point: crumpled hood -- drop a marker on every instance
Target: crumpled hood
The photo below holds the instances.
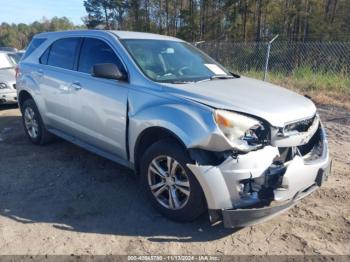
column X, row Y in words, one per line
column 8, row 76
column 275, row 104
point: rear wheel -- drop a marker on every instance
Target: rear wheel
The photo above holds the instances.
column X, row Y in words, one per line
column 33, row 124
column 170, row 185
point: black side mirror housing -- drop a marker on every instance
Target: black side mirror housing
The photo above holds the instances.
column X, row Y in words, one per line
column 109, row 71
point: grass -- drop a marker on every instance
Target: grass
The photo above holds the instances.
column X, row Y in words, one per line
column 323, row 87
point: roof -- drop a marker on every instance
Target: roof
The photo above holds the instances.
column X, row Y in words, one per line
column 142, row 35
column 119, row 34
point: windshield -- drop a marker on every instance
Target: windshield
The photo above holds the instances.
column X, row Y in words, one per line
column 6, row 61
column 173, row 62
column 16, row 57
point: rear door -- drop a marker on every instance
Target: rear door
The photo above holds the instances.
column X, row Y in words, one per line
column 56, row 79
column 99, row 105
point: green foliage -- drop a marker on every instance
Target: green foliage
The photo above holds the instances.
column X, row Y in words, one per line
column 208, row 20
column 305, row 79
column 330, row 81
column 108, row 13
column 233, row 20
column 19, row 35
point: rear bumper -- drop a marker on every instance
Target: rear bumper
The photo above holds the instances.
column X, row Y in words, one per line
column 224, row 185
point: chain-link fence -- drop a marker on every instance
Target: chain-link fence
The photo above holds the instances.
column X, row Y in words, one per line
column 286, row 58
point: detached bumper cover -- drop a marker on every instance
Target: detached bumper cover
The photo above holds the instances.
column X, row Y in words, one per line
column 245, row 217
column 222, row 185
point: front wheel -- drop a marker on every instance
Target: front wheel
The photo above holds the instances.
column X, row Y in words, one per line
column 170, row 185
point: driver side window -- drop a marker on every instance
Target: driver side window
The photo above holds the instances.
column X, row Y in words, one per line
column 95, row 51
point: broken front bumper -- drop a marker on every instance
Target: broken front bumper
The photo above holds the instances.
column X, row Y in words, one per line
column 225, row 185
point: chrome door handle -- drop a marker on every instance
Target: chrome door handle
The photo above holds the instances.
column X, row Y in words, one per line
column 77, row 86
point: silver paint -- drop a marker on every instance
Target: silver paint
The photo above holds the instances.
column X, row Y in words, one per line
column 95, row 116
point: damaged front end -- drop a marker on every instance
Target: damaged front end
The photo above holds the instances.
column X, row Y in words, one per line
column 244, row 188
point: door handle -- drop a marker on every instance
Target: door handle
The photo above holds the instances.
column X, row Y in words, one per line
column 77, row 86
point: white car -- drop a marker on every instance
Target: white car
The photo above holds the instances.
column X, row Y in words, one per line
column 8, row 94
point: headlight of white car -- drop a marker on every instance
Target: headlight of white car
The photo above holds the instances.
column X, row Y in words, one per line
column 244, row 133
column 3, row 86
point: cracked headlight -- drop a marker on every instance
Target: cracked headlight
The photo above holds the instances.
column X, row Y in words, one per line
column 3, row 86
column 244, row 133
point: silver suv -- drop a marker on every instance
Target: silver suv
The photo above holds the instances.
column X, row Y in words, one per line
column 201, row 138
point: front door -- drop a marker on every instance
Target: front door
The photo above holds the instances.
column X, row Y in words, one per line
column 99, row 106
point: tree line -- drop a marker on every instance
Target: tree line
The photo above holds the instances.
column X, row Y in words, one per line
column 204, row 20
column 232, row 20
column 19, row 35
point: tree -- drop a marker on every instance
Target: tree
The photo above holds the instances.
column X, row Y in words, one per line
column 98, row 13
column 20, row 35
column 197, row 20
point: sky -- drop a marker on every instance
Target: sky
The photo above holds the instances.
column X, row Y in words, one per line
column 27, row 11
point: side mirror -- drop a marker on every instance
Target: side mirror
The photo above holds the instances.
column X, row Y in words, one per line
column 109, row 71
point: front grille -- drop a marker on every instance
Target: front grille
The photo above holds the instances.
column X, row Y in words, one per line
column 300, row 126
column 314, row 148
column 310, row 151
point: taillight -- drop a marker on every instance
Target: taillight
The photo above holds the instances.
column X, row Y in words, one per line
column 17, row 71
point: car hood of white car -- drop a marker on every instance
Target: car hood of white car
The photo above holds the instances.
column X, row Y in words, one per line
column 272, row 103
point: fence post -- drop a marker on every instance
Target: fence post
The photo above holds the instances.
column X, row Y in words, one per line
column 268, row 56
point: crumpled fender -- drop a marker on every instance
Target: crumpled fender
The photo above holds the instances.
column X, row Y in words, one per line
column 195, row 127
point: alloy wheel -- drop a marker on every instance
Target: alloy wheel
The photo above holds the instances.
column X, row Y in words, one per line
column 31, row 122
column 168, row 182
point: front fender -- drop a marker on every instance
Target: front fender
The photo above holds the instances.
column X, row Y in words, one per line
column 193, row 124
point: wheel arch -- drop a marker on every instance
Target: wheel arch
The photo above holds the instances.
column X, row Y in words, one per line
column 23, row 96
column 148, row 137
column 191, row 125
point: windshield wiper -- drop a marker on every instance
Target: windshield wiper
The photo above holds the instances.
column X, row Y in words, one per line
column 181, row 82
column 215, row 77
column 221, row 77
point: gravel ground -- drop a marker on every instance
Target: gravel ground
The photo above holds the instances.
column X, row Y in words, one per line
column 60, row 199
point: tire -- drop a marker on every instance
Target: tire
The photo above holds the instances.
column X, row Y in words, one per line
column 187, row 207
column 41, row 136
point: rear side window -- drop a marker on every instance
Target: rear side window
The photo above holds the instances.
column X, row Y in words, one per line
column 45, row 56
column 63, row 52
column 95, row 51
column 34, row 44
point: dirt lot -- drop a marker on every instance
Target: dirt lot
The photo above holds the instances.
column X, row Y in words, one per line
column 60, row 199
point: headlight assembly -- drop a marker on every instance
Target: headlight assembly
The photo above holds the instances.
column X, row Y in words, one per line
column 244, row 133
column 3, row 86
